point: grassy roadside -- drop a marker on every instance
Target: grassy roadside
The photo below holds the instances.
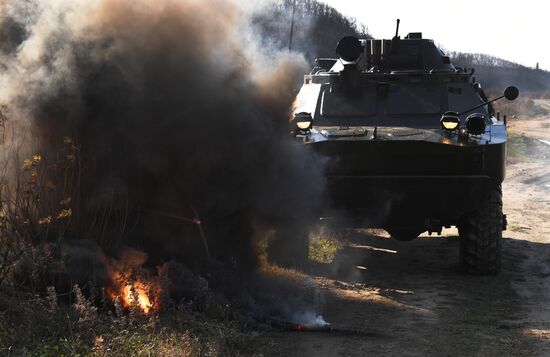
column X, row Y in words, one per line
column 33, row 326
column 523, row 148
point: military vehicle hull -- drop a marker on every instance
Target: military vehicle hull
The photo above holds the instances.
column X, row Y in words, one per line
column 410, row 144
column 408, row 183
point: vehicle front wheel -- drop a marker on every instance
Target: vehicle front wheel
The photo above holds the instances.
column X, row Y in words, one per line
column 481, row 234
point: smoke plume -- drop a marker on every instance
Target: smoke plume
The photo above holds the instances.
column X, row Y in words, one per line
column 173, row 108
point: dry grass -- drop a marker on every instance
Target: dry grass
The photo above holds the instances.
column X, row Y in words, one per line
column 41, row 200
column 324, row 246
column 525, row 106
column 522, row 148
column 35, row 326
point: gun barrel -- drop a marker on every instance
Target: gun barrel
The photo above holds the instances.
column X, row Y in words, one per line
column 397, row 30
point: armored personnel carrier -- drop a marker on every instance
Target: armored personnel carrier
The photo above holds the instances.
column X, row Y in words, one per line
column 413, row 143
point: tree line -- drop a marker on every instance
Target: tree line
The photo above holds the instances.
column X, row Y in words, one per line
column 496, row 73
column 318, row 27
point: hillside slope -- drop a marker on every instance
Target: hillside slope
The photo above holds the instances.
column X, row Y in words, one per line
column 496, row 73
column 317, row 27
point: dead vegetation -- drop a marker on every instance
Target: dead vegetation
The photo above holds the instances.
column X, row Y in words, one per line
column 49, row 326
column 46, row 311
column 522, row 148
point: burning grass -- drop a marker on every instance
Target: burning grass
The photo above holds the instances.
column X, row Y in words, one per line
column 112, row 117
column 139, row 317
column 35, row 326
column 125, row 307
column 130, row 285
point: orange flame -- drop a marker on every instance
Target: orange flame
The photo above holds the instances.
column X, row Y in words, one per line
column 130, row 284
column 134, row 292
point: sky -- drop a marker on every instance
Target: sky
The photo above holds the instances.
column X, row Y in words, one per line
column 517, row 31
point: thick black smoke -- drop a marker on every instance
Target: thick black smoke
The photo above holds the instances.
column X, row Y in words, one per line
column 174, row 109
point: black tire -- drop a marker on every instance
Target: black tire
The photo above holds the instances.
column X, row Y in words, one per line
column 481, row 236
column 289, row 247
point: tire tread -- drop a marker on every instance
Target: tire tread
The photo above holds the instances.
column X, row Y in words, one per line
column 481, row 236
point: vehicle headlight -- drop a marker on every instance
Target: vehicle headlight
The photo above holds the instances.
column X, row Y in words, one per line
column 475, row 123
column 303, row 121
column 304, row 125
column 450, row 121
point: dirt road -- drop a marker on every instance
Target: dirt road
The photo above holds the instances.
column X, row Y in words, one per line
column 413, row 299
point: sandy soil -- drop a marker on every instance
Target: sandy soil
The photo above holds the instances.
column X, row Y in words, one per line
column 537, row 128
column 409, row 299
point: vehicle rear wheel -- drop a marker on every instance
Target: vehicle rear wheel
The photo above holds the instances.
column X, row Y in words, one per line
column 480, row 236
column 289, row 247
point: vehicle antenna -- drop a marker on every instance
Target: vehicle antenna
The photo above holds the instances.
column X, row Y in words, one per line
column 292, row 26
